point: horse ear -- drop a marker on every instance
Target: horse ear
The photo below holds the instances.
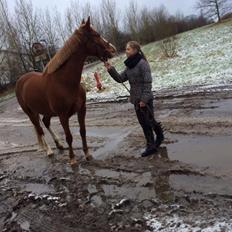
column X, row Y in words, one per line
column 87, row 24
column 82, row 22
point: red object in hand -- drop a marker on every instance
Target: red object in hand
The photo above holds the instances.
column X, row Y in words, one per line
column 98, row 82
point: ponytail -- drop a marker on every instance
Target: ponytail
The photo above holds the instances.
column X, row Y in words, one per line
column 143, row 55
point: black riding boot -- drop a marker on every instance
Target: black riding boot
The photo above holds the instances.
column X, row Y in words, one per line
column 157, row 126
column 145, row 119
column 151, row 146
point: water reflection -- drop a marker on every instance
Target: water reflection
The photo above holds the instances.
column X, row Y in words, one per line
column 152, row 184
column 161, row 180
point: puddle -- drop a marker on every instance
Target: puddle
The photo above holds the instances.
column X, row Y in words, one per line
column 202, row 150
column 134, row 193
column 114, row 135
column 105, row 131
column 215, row 108
column 140, row 186
column 114, row 174
column 203, row 184
column 163, row 187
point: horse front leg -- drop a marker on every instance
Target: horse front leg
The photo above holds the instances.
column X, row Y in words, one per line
column 47, row 122
column 81, row 119
column 64, row 120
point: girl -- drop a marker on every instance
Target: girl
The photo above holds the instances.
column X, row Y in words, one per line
column 138, row 73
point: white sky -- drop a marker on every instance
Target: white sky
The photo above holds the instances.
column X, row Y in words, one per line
column 185, row 6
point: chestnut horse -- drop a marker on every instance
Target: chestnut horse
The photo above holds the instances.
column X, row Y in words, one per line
column 57, row 91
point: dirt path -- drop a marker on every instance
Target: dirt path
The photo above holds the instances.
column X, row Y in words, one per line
column 187, row 186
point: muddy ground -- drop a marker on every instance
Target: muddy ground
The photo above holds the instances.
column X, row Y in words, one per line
column 186, row 186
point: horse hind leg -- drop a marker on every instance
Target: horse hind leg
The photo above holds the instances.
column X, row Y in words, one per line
column 40, row 133
column 64, row 120
column 47, row 122
column 81, row 119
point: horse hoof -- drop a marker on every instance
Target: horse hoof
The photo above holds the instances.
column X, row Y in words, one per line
column 60, row 147
column 73, row 162
column 89, row 157
column 50, row 153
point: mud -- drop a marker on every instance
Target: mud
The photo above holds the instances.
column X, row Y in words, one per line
column 186, row 186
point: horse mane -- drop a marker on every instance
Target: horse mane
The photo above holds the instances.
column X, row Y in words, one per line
column 62, row 55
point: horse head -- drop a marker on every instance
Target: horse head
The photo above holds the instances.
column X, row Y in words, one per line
column 95, row 44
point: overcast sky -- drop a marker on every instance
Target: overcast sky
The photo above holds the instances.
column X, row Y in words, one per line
column 185, row 6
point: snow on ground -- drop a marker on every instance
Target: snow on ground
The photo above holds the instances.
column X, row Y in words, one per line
column 176, row 224
column 204, row 58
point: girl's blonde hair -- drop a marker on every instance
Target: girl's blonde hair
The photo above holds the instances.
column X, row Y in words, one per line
column 135, row 45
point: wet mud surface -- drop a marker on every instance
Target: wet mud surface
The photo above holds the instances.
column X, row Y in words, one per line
column 186, row 186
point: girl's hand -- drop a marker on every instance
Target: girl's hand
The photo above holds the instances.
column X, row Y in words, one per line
column 108, row 65
column 142, row 104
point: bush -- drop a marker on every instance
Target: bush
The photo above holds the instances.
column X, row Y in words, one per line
column 169, row 47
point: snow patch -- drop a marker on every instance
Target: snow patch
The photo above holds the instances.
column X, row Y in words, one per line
column 176, row 224
column 204, row 58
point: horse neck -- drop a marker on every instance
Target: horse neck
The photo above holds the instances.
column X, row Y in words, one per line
column 71, row 72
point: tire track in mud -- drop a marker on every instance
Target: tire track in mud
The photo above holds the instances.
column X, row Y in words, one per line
column 31, row 220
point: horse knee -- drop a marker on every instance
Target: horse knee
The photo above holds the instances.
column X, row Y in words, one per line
column 46, row 121
column 83, row 132
column 39, row 129
column 69, row 139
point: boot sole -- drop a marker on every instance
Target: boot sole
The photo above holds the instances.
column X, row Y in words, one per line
column 150, row 153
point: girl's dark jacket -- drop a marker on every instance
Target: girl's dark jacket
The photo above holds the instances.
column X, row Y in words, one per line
column 140, row 80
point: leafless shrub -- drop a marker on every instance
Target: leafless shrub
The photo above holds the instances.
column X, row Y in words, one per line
column 169, row 47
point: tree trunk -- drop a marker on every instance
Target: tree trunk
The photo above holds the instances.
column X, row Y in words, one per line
column 218, row 11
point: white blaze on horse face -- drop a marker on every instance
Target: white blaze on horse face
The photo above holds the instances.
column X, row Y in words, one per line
column 104, row 39
column 113, row 46
column 108, row 43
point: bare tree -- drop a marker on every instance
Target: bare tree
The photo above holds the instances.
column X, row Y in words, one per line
column 59, row 26
column 27, row 23
column 50, row 34
column 132, row 19
column 2, row 39
column 94, row 13
column 161, row 23
column 214, row 8
column 145, row 26
column 2, row 55
column 69, row 21
column 109, row 14
column 21, row 28
column 74, row 14
column 14, row 60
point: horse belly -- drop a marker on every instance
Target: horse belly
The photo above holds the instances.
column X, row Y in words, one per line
column 38, row 104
